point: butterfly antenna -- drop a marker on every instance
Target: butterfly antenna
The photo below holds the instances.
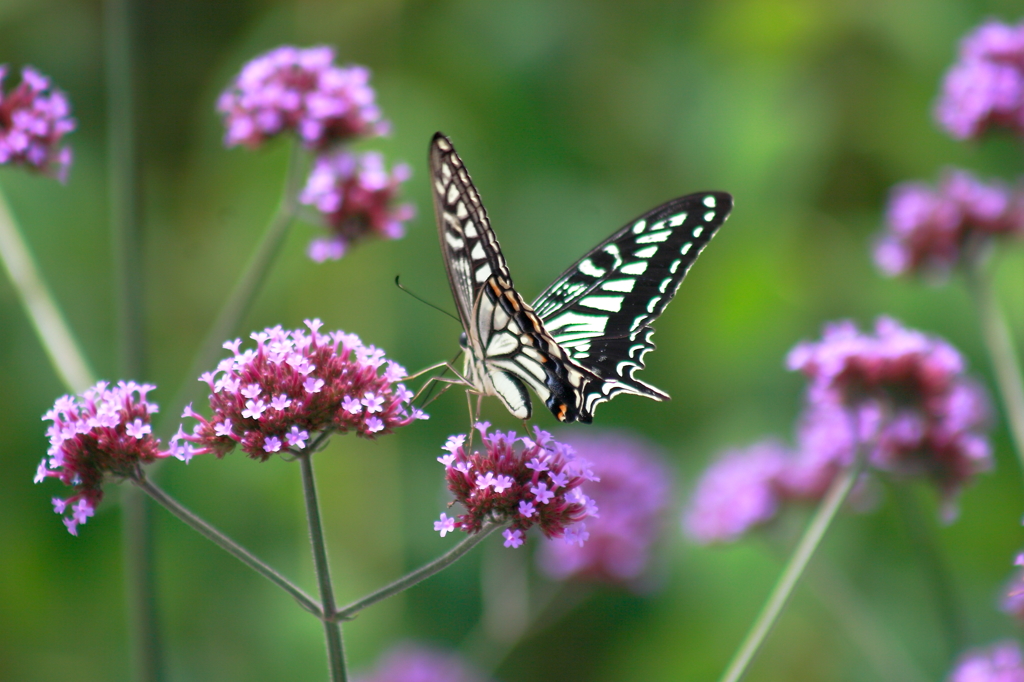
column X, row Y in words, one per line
column 424, row 301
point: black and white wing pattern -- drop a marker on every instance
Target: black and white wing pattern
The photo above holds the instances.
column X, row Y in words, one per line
column 600, row 310
column 507, row 348
column 585, row 336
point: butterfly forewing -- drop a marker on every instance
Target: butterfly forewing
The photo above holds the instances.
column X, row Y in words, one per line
column 600, row 309
column 507, row 347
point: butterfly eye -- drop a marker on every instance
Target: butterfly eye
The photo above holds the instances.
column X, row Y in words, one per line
column 463, row 341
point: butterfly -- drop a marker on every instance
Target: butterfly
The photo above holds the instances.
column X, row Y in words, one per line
column 585, row 336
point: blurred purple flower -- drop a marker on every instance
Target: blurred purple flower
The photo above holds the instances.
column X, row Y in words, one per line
column 356, row 195
column 907, row 399
column 103, row 432
column 986, row 87
column 299, row 90
column 739, row 491
column 33, row 119
column 1001, row 662
column 1013, row 597
column 411, row 662
column 293, row 384
column 538, row 483
column 928, row 228
column 633, row 494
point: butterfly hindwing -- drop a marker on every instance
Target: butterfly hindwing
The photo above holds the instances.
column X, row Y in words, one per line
column 601, row 308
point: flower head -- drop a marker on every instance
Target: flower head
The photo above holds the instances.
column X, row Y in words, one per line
column 299, row 90
column 928, row 228
column 105, row 431
column 356, row 196
column 905, row 400
column 493, row 484
column 418, row 663
column 293, row 384
column 633, row 494
column 33, row 119
column 1001, row 662
column 986, row 87
column 736, row 493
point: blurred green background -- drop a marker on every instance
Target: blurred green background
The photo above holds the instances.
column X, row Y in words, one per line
column 573, row 117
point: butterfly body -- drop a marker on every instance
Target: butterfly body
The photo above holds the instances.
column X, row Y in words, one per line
column 583, row 338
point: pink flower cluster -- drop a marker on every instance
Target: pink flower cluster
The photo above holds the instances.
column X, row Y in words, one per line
column 1001, row 662
column 536, row 484
column 418, row 663
column 898, row 396
column 33, row 119
column 356, row 195
column 634, row 494
column 105, row 431
column 986, row 87
column 292, row 386
column 291, row 89
column 929, row 228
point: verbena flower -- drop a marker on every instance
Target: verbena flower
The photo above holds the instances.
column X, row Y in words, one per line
column 356, row 196
column 299, row 90
column 1001, row 662
column 536, row 483
column 418, row 663
column 293, row 385
column 929, row 228
column 634, row 493
column 736, row 493
column 986, row 87
column 33, row 119
column 910, row 405
column 103, row 432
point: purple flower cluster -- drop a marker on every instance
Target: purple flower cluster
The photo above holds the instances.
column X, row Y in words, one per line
column 901, row 395
column 898, row 396
column 634, row 493
column 1001, row 662
column 33, row 119
column 105, row 431
column 417, row 663
column 928, row 228
column 293, row 385
column 986, row 87
column 302, row 91
column 356, row 195
column 538, row 483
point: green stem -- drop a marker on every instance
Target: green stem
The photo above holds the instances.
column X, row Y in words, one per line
column 332, row 628
column 420, row 574
column 246, row 288
column 826, row 511
column 65, row 355
column 122, row 162
column 227, row 544
column 1002, row 353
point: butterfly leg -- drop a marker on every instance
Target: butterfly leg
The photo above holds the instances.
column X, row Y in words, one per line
column 474, row 416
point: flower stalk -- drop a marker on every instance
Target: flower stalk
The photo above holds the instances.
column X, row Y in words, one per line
column 1001, row 350
column 332, row 628
column 826, row 512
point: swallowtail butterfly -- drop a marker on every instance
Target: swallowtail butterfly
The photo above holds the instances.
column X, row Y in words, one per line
column 580, row 342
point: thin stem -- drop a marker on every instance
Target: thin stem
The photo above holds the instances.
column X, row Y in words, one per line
column 420, row 574
column 1001, row 350
column 227, row 544
column 122, row 164
column 247, row 286
column 332, row 628
column 65, row 355
column 826, row 511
